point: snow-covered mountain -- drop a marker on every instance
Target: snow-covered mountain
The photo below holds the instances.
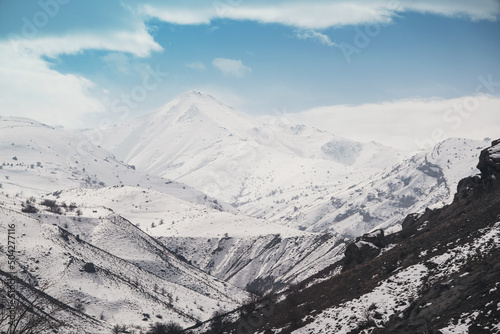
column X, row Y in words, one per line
column 134, row 273
column 439, row 274
column 154, row 236
column 109, row 214
column 36, row 159
column 239, row 249
column 292, row 175
column 197, row 140
column 426, row 179
column 261, row 264
column 110, row 270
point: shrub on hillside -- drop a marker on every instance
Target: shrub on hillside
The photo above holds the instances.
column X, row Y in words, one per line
column 168, row 328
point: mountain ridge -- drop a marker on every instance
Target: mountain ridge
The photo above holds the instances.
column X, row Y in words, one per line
column 438, row 275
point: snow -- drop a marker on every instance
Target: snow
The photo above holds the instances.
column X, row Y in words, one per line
column 130, row 264
column 390, row 297
column 172, row 216
column 463, row 326
column 289, row 174
column 374, row 234
column 263, row 169
column 360, row 244
column 242, row 260
column 287, row 185
column 455, row 258
column 383, row 200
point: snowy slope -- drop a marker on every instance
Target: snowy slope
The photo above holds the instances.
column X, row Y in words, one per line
column 160, row 208
column 135, row 274
column 231, row 246
column 292, row 175
column 197, row 140
column 161, row 214
column 439, row 274
column 426, row 179
column 36, row 159
column 261, row 264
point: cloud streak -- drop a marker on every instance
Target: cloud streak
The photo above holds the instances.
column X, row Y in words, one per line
column 316, row 36
column 196, row 65
column 30, row 88
column 231, row 67
column 319, row 14
column 409, row 123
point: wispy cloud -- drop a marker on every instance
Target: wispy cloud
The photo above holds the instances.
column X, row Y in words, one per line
column 31, row 88
column 196, row 65
column 409, row 123
column 137, row 42
column 317, row 14
column 118, row 61
column 316, row 36
column 231, row 67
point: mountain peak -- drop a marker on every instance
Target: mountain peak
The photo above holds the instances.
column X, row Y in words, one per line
column 195, row 97
column 196, row 94
column 195, row 108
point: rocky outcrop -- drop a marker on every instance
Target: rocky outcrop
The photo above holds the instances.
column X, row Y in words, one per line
column 489, row 165
column 489, row 161
column 364, row 248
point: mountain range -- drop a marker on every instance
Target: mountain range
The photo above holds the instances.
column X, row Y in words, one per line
column 198, row 208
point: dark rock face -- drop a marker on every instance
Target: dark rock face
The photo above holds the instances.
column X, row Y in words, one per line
column 89, row 267
column 457, row 232
column 410, row 221
column 489, row 165
column 489, row 161
column 364, row 248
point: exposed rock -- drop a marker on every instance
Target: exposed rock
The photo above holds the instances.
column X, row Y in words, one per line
column 489, row 161
column 440, row 273
column 89, row 267
column 365, row 247
column 489, row 165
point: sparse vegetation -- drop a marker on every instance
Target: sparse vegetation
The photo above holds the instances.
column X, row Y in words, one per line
column 31, row 313
column 29, row 206
column 52, row 206
column 79, row 306
column 168, row 328
column 117, row 329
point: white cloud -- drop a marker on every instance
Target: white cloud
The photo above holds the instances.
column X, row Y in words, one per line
column 30, row 88
column 410, row 123
column 231, row 67
column 196, row 65
column 314, row 35
column 319, row 14
column 179, row 15
column 118, row 61
column 137, row 42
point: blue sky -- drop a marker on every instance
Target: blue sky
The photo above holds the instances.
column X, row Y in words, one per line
column 76, row 62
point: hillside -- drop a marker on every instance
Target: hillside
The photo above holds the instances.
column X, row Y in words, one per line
column 291, row 175
column 111, row 271
column 439, row 274
column 426, row 179
column 231, row 246
column 36, row 159
column 105, row 242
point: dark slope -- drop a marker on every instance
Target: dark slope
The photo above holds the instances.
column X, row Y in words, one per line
column 458, row 245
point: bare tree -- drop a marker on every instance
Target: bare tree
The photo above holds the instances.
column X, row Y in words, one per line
column 26, row 312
